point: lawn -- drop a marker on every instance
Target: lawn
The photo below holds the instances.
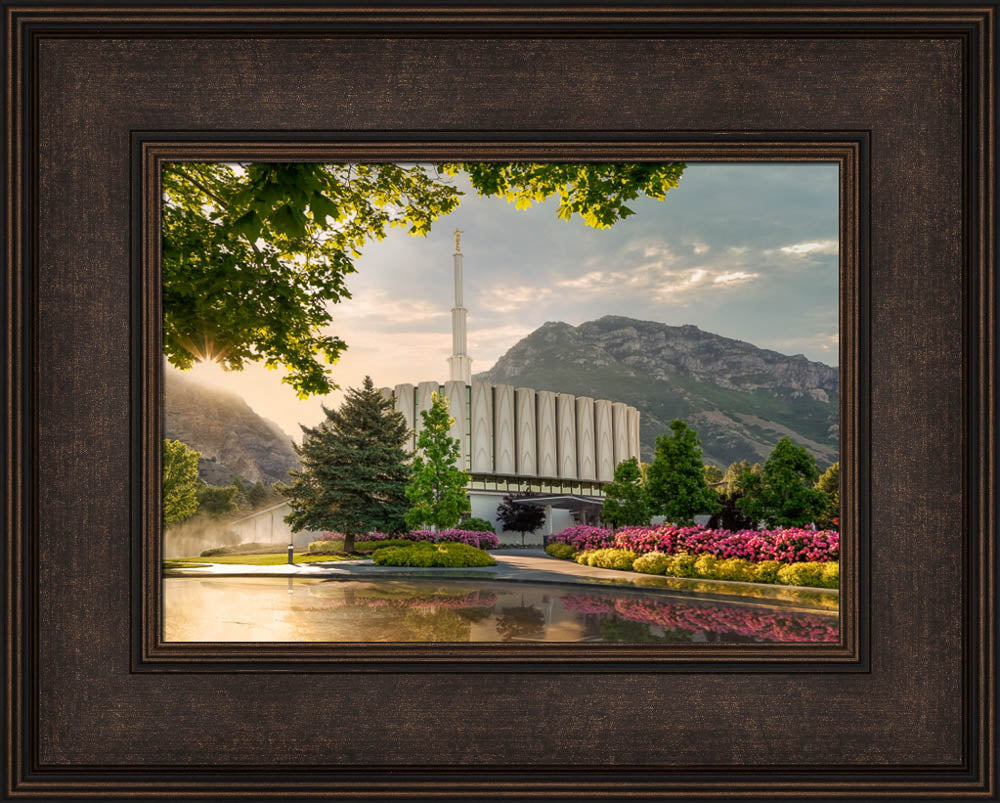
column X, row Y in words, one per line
column 273, row 559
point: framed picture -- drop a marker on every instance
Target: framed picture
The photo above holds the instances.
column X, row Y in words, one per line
column 633, row 427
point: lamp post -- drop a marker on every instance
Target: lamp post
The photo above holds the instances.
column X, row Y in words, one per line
column 291, row 548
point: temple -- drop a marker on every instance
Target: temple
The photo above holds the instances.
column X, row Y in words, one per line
column 560, row 447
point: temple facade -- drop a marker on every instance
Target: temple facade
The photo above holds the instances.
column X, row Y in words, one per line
column 561, row 447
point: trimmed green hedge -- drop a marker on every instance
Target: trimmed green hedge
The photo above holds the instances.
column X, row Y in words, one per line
column 476, row 525
column 422, row 553
column 334, row 547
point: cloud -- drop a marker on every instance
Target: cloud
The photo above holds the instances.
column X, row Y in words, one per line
column 735, row 277
column 508, row 298
column 812, row 247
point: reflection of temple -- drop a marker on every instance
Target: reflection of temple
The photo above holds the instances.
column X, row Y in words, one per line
column 561, row 447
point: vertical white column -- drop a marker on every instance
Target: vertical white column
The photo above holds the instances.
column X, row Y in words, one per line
column 604, row 448
column 503, row 429
column 527, row 465
column 548, row 457
column 460, row 366
column 566, row 426
column 633, row 434
column 482, row 428
column 455, row 391
column 585, row 460
column 619, row 424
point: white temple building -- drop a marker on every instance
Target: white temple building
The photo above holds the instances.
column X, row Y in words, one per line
column 563, row 448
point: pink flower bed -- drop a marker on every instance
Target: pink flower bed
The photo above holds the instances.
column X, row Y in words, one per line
column 470, row 537
column 785, row 546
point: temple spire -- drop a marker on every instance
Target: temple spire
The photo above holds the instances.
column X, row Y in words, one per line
column 460, row 364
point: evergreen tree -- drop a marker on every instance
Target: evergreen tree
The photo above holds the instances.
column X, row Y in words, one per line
column 437, row 486
column 520, row 518
column 180, row 482
column 829, row 483
column 625, row 503
column 675, row 480
column 218, row 500
column 257, row 494
column 783, row 494
column 354, row 473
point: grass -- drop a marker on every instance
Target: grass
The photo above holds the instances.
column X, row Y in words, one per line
column 273, row 559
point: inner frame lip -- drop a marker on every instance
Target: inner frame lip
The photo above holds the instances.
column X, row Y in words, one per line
column 149, row 150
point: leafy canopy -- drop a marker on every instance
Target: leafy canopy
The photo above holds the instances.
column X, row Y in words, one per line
column 625, row 503
column 255, row 255
column 180, row 482
column 354, row 473
column 783, row 494
column 437, row 488
column 675, row 480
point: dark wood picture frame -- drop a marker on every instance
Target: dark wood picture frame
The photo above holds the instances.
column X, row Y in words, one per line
column 902, row 96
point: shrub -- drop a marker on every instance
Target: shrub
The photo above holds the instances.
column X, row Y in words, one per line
column 809, row 573
column 621, row 559
column 583, row 558
column 450, row 555
column 561, row 551
column 704, row 566
column 475, row 525
column 681, row 565
column 830, row 575
column 585, row 537
column 652, row 563
column 473, row 538
column 787, row 546
column 766, row 571
column 734, row 569
column 219, row 550
column 326, row 546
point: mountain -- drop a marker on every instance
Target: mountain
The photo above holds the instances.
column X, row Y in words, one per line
column 741, row 399
column 232, row 438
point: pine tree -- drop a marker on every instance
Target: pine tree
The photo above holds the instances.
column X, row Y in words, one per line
column 354, row 472
column 782, row 495
column 675, row 480
column 437, row 487
column 180, row 482
column 625, row 503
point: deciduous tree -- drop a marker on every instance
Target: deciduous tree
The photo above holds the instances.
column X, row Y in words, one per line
column 625, row 502
column 675, row 480
column 180, row 482
column 520, row 518
column 256, row 254
column 783, row 494
column 437, row 488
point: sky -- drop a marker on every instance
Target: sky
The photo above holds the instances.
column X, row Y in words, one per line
column 748, row 251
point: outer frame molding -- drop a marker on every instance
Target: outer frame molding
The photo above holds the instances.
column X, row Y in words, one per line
column 27, row 776
column 848, row 150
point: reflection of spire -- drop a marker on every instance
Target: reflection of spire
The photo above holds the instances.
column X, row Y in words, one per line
column 459, row 361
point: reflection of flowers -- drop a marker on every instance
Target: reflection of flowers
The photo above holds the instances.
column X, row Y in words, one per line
column 762, row 625
column 786, row 546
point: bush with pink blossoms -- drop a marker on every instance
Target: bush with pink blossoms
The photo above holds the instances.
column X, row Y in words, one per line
column 584, row 537
column 785, row 546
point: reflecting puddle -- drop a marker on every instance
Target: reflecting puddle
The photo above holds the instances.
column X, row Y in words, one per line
column 316, row 610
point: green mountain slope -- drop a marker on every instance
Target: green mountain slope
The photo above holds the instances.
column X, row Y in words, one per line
column 740, row 398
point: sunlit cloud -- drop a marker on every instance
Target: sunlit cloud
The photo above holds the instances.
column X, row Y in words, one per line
column 812, row 247
column 734, row 277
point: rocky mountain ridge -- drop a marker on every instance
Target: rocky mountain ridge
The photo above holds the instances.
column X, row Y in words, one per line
column 233, row 440
column 742, row 399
